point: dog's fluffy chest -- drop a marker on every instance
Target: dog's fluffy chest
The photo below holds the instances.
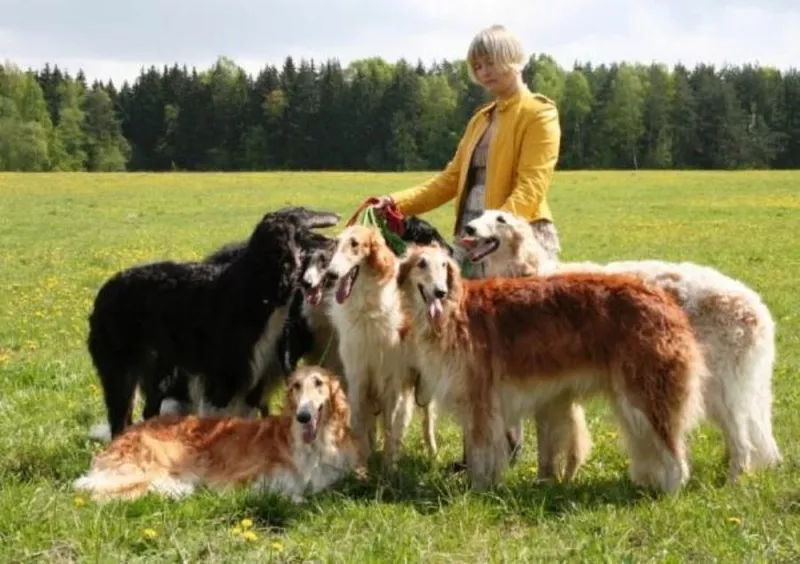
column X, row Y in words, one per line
column 374, row 317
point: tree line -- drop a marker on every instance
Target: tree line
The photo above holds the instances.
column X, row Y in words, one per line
column 376, row 115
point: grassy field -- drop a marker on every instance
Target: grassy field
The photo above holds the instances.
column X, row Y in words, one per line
column 62, row 235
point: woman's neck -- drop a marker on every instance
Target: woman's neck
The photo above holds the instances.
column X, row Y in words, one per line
column 512, row 89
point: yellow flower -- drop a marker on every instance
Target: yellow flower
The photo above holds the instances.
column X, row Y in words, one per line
column 277, row 546
column 237, row 530
column 736, row 520
column 246, row 523
column 78, row 502
column 149, row 533
column 249, row 535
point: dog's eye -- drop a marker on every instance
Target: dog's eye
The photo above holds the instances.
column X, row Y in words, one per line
column 297, row 386
column 501, row 219
column 353, row 243
column 423, row 263
column 318, row 382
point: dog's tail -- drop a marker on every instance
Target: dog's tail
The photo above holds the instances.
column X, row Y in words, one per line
column 129, row 482
column 761, row 361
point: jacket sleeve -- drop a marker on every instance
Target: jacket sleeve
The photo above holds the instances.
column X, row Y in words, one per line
column 536, row 164
column 436, row 191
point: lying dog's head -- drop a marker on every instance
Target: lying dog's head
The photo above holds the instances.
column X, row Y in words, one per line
column 316, row 401
column 420, row 232
column 358, row 249
column 429, row 277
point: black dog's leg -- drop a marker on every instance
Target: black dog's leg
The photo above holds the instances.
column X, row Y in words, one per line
column 296, row 339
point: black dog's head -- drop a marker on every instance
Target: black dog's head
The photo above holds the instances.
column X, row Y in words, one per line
column 420, row 232
column 284, row 241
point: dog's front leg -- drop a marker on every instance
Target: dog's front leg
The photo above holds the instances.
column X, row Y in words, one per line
column 486, row 447
column 362, row 416
column 397, row 412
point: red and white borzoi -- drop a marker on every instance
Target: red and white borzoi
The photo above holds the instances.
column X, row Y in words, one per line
column 732, row 323
column 492, row 351
column 371, row 327
column 308, row 447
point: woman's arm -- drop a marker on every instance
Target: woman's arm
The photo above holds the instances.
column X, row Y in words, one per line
column 435, row 192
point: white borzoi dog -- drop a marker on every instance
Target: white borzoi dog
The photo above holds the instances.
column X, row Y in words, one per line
column 371, row 327
column 731, row 321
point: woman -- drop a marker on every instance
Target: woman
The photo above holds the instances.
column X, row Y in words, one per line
column 505, row 159
column 508, row 153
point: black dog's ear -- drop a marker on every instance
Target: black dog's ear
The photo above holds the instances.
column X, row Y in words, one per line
column 312, row 219
column 320, row 220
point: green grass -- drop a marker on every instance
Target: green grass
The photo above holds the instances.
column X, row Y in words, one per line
column 61, row 235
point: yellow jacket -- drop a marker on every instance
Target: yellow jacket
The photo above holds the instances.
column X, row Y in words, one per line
column 520, row 163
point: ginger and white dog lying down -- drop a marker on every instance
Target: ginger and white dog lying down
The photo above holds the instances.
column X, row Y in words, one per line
column 494, row 350
column 308, row 447
column 731, row 321
column 371, row 326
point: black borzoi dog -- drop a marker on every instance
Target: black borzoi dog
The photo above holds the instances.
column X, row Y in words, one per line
column 215, row 322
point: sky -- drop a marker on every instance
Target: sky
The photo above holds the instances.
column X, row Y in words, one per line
column 111, row 39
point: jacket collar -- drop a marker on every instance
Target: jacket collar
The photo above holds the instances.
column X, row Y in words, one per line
column 503, row 105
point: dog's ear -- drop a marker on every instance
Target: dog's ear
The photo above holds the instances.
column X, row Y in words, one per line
column 381, row 258
column 340, row 408
column 453, row 279
column 405, row 269
column 543, row 231
column 311, row 219
column 444, row 244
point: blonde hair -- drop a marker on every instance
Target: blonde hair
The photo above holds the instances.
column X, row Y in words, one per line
column 498, row 44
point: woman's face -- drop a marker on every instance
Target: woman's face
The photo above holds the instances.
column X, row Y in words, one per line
column 492, row 77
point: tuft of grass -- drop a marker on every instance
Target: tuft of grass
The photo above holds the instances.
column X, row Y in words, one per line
column 63, row 234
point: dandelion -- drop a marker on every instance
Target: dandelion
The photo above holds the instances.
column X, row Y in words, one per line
column 237, row 530
column 78, row 501
column 735, row 520
column 149, row 533
column 246, row 523
column 277, row 546
column 249, row 535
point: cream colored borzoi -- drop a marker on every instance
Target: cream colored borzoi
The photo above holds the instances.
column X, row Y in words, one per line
column 732, row 323
column 371, row 326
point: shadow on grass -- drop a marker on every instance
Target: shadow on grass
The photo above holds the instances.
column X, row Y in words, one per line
column 429, row 487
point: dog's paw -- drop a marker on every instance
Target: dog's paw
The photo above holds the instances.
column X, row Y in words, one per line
column 361, row 474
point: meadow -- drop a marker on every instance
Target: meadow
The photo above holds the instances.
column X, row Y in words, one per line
column 61, row 235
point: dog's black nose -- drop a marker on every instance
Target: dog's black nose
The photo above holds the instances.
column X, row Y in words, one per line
column 439, row 293
column 304, row 417
column 469, row 230
column 329, row 277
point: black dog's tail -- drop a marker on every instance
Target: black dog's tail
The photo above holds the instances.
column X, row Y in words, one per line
column 112, row 344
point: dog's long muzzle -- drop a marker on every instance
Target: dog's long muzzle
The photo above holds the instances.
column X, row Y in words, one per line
column 309, row 415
